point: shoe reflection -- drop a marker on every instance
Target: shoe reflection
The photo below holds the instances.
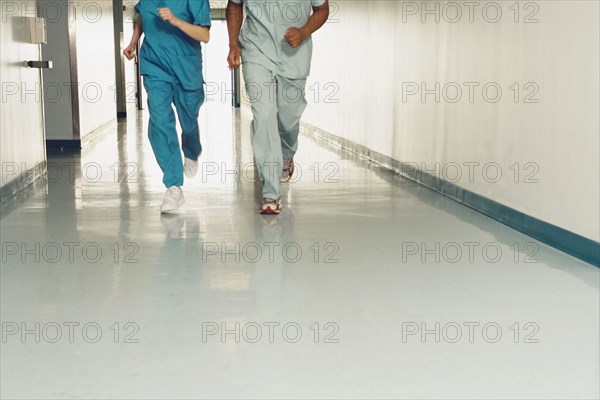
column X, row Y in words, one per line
column 174, row 225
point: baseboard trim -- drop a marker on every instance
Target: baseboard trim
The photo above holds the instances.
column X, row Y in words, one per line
column 63, row 143
column 98, row 132
column 23, row 181
column 84, row 141
column 566, row 241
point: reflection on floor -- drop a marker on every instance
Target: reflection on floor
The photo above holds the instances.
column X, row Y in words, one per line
column 366, row 286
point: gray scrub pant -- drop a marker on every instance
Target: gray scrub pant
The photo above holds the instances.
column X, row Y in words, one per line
column 277, row 106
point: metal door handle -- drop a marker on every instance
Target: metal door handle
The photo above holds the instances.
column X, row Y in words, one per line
column 39, row 64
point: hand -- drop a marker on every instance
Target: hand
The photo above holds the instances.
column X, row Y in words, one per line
column 235, row 57
column 167, row 15
column 129, row 52
column 295, row 37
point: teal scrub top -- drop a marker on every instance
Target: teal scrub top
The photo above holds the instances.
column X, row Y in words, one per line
column 167, row 52
column 262, row 38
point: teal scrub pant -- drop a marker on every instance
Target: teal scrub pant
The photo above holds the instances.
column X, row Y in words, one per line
column 277, row 106
column 162, row 131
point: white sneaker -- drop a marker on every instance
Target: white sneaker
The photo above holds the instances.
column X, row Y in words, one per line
column 190, row 168
column 173, row 199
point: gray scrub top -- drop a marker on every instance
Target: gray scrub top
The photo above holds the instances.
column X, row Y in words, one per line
column 262, row 38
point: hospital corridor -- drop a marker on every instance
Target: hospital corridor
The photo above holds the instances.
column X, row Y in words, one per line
column 438, row 237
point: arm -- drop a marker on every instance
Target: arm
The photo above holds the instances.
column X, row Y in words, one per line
column 295, row 37
column 234, row 16
column 199, row 33
column 138, row 29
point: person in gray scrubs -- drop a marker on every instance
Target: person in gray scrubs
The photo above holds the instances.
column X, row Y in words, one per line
column 275, row 47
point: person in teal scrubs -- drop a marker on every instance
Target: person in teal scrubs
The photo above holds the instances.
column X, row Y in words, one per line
column 171, row 63
column 275, row 47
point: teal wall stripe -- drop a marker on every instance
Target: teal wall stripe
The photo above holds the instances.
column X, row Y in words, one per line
column 569, row 242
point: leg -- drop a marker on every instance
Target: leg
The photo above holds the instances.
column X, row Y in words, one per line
column 291, row 103
column 266, row 143
column 188, row 103
column 162, row 132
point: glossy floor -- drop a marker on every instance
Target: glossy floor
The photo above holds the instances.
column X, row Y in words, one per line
column 367, row 286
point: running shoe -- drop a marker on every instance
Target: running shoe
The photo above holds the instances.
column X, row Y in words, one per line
column 271, row 207
column 288, row 170
column 190, row 168
column 173, row 199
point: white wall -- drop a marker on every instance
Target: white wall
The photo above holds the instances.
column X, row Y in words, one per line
column 96, row 64
column 21, row 126
column 370, row 54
